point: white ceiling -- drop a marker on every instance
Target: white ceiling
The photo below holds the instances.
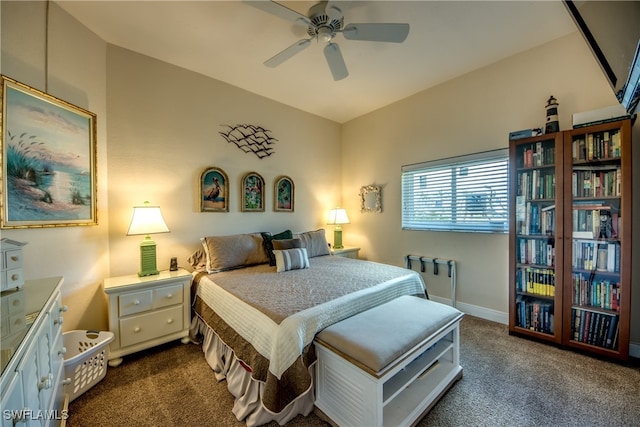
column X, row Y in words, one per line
column 230, row 40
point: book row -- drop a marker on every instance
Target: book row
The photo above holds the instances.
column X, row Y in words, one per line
column 598, row 183
column 535, row 219
column 535, row 315
column 536, row 251
column 536, row 184
column 599, row 145
column 540, row 281
column 538, row 154
column 595, row 293
column 595, row 256
column 594, row 222
column 595, row 328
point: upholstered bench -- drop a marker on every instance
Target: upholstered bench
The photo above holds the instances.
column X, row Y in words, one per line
column 388, row 365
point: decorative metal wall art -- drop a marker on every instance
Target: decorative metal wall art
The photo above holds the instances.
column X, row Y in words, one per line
column 250, row 139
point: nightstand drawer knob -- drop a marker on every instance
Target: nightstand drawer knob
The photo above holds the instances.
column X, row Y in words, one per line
column 136, row 329
column 58, row 321
column 62, row 351
column 67, row 381
column 169, row 296
column 64, row 309
column 170, row 321
column 136, row 302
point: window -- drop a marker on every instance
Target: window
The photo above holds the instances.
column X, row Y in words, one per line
column 466, row 193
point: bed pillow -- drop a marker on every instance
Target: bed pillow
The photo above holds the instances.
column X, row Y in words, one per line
column 198, row 260
column 287, row 244
column 267, row 241
column 291, row 259
column 238, row 250
column 315, row 242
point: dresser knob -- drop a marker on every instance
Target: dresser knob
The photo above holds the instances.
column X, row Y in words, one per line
column 64, row 309
column 58, row 321
column 169, row 296
column 136, row 329
column 136, row 302
column 62, row 351
column 66, row 381
column 169, row 321
column 15, row 258
column 15, row 277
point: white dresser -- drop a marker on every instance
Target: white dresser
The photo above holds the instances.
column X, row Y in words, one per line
column 147, row 311
column 10, row 264
column 32, row 355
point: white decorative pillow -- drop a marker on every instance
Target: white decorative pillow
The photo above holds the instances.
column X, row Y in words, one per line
column 291, row 259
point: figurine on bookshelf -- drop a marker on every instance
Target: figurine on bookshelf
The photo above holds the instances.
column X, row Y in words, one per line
column 606, row 226
column 552, row 124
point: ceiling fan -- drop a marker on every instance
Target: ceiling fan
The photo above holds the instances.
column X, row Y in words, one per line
column 324, row 21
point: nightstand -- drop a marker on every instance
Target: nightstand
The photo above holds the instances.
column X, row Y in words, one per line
column 346, row 252
column 147, row 311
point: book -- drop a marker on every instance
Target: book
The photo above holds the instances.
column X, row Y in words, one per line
column 525, row 133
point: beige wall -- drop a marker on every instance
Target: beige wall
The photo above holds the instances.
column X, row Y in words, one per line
column 469, row 114
column 77, row 74
column 163, row 132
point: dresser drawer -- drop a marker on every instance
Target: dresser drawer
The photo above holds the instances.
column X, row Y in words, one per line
column 144, row 327
column 167, row 295
column 13, row 259
column 135, row 302
column 12, row 278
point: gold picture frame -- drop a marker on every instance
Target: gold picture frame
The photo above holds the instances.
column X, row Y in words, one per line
column 48, row 153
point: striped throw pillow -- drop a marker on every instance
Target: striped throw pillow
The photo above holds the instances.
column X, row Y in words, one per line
column 291, row 259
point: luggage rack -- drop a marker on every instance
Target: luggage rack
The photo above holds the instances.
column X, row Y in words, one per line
column 424, row 261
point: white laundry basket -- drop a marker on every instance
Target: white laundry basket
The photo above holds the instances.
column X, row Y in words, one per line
column 85, row 362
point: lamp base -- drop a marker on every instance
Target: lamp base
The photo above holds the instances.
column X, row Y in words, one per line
column 148, row 258
column 337, row 238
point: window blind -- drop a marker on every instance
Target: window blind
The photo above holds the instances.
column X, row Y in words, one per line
column 466, row 193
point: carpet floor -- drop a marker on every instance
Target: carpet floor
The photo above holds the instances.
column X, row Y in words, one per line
column 507, row 381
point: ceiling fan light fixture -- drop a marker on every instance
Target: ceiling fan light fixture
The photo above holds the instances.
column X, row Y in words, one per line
column 325, row 34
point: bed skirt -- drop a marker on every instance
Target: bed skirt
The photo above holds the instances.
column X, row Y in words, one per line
column 246, row 390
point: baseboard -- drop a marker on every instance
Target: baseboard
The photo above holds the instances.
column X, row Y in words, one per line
column 502, row 317
column 475, row 310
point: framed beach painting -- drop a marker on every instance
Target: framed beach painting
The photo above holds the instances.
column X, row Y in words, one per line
column 214, row 191
column 48, row 160
column 252, row 193
column 283, row 194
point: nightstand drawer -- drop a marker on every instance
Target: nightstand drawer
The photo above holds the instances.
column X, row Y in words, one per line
column 168, row 295
column 137, row 329
column 135, row 302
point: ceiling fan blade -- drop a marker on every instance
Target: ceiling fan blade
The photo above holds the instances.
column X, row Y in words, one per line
column 295, row 48
column 332, row 10
column 395, row 33
column 336, row 61
column 280, row 11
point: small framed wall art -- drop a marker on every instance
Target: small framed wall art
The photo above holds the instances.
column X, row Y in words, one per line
column 214, row 190
column 48, row 152
column 283, row 194
column 252, row 193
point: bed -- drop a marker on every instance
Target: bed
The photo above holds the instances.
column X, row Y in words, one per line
column 257, row 321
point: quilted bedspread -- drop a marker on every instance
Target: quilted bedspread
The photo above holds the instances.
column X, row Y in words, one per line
column 280, row 313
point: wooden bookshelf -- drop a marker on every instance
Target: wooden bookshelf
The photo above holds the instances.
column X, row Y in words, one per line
column 535, row 242
column 570, row 238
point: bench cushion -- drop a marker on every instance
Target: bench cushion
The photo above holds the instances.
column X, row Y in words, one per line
column 380, row 335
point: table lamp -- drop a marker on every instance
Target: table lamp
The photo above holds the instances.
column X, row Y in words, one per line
column 147, row 220
column 338, row 217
